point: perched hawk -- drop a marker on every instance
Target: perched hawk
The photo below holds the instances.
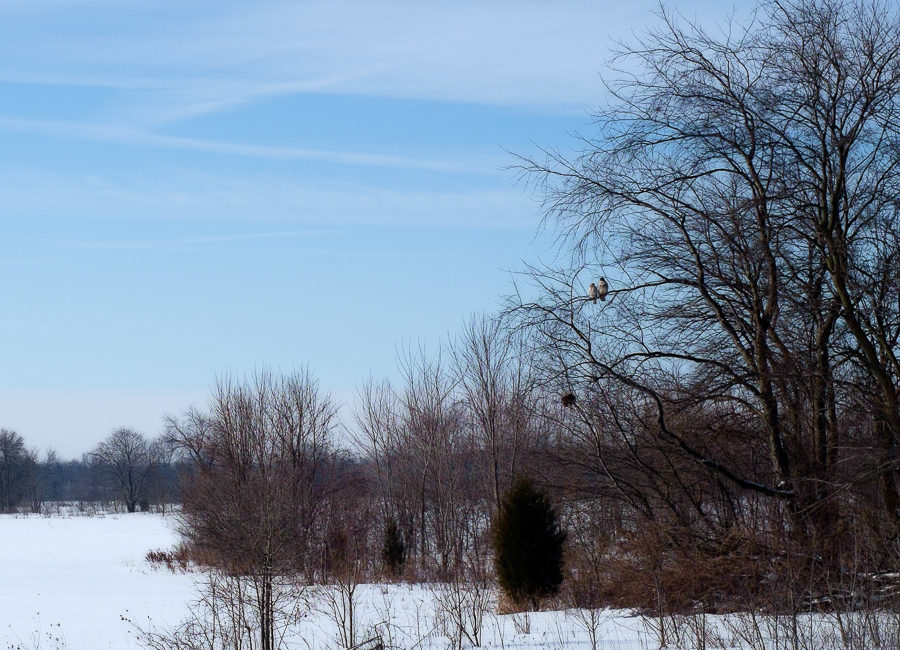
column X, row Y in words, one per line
column 600, row 290
column 593, row 294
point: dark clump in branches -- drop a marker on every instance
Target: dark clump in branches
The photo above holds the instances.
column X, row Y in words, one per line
column 528, row 545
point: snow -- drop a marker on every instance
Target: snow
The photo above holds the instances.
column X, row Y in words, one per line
column 73, row 578
column 74, row 583
column 68, row 582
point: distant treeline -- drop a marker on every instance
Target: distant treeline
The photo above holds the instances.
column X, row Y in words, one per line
column 29, row 480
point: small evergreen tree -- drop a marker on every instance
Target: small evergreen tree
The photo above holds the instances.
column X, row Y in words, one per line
column 393, row 550
column 528, row 545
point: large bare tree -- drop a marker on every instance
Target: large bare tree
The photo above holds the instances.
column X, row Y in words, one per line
column 740, row 195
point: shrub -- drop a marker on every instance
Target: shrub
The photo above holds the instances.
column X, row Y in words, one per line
column 393, row 550
column 528, row 545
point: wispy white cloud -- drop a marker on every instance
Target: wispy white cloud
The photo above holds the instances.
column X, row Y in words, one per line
column 185, row 243
column 187, row 196
column 182, row 59
column 135, row 137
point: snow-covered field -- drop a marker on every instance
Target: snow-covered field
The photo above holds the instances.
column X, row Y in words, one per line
column 68, row 582
column 73, row 578
column 75, row 582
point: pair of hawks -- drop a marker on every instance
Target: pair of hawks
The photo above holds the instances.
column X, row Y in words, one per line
column 598, row 290
column 595, row 291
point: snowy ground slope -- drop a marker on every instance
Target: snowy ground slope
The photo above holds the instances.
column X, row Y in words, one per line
column 74, row 578
column 66, row 582
column 415, row 622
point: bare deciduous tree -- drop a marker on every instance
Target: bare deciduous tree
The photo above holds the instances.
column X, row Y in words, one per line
column 741, row 197
column 17, row 466
column 127, row 460
column 497, row 391
column 258, row 484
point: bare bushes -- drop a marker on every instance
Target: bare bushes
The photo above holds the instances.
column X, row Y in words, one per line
column 857, row 630
column 176, row 560
column 257, row 486
column 463, row 602
column 759, row 593
column 347, row 565
column 227, row 616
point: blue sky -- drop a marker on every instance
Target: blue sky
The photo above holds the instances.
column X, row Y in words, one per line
column 194, row 188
